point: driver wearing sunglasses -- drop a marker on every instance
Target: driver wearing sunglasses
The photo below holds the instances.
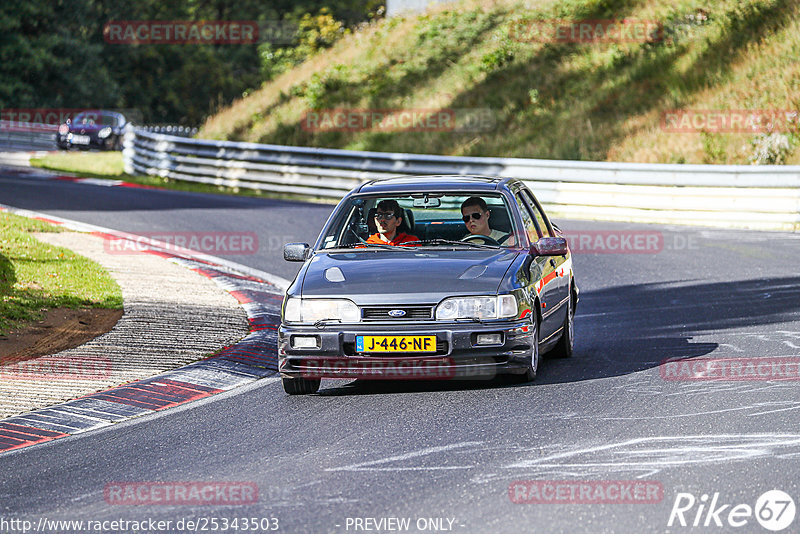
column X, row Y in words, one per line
column 476, row 217
column 388, row 219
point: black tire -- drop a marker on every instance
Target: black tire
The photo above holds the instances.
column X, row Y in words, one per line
column 301, row 386
column 565, row 345
column 530, row 372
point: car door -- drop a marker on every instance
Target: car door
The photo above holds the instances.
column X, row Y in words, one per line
column 546, row 284
column 560, row 264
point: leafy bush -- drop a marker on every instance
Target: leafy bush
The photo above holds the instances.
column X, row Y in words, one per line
column 770, row 149
column 497, row 59
column 314, row 33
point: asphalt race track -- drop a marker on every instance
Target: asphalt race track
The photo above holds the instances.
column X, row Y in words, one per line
column 449, row 456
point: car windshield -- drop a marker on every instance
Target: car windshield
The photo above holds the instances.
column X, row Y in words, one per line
column 92, row 118
column 421, row 220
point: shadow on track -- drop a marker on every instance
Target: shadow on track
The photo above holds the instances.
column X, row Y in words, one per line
column 628, row 329
column 631, row 328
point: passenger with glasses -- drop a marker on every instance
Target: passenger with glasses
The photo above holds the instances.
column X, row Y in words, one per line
column 388, row 219
column 476, row 217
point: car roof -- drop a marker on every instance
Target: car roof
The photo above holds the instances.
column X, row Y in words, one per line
column 417, row 184
column 100, row 113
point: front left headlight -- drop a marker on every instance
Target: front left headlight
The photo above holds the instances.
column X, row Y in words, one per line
column 494, row 307
column 299, row 310
column 105, row 132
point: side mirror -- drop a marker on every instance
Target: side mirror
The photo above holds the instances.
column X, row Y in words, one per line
column 296, row 251
column 550, row 246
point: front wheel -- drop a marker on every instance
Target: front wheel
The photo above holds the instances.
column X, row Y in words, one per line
column 565, row 345
column 530, row 373
column 301, row 386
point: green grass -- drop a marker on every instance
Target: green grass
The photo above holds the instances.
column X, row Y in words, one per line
column 36, row 277
column 88, row 164
column 547, row 100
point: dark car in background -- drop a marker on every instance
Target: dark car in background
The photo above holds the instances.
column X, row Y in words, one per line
column 93, row 129
column 448, row 304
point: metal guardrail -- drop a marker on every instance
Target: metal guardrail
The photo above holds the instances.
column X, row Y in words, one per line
column 33, row 135
column 766, row 197
column 43, row 136
column 169, row 129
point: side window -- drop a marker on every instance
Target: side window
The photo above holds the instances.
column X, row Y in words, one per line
column 537, row 213
column 527, row 220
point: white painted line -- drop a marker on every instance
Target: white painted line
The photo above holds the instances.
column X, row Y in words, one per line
column 709, row 448
column 99, row 181
column 366, row 466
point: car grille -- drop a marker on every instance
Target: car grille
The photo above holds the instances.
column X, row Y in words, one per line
column 412, row 313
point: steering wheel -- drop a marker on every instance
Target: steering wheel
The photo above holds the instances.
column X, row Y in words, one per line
column 485, row 238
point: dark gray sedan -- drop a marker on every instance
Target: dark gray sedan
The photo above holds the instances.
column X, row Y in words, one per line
column 435, row 277
column 93, row 129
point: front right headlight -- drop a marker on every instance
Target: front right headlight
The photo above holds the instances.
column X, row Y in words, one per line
column 495, row 307
column 105, row 132
column 309, row 311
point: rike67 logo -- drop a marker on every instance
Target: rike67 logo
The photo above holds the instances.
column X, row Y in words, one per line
column 774, row 510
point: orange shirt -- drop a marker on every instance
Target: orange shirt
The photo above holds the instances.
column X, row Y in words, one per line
column 399, row 239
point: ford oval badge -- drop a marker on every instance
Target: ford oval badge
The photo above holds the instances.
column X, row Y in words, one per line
column 397, row 313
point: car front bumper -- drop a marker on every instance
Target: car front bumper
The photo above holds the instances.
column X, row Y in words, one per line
column 457, row 356
column 66, row 141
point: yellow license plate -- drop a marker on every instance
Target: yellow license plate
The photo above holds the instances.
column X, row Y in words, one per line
column 395, row 343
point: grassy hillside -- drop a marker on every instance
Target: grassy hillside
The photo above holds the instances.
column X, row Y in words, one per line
column 562, row 100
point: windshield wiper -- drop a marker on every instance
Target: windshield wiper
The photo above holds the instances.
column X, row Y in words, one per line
column 451, row 242
column 375, row 245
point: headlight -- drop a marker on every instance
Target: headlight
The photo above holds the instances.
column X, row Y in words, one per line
column 63, row 129
column 298, row 310
column 495, row 307
column 105, row 132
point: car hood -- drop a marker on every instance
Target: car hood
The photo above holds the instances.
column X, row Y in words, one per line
column 405, row 277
